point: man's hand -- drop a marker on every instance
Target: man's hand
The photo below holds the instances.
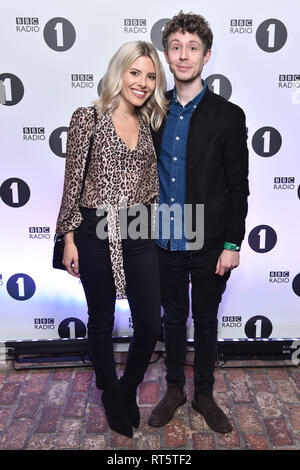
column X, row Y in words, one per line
column 227, row 260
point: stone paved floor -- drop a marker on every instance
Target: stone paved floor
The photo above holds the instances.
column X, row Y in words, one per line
column 49, row 409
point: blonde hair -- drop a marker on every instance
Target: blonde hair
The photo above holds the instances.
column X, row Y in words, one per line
column 154, row 109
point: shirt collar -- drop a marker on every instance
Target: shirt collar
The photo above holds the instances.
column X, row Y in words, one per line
column 195, row 101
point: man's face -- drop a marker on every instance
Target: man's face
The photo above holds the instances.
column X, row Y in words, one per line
column 185, row 56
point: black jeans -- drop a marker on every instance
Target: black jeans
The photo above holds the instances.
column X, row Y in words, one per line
column 176, row 270
column 143, row 293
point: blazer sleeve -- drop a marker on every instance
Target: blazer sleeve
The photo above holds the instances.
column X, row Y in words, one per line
column 236, row 170
column 69, row 217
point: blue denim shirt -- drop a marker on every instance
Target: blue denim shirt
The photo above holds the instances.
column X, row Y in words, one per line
column 171, row 169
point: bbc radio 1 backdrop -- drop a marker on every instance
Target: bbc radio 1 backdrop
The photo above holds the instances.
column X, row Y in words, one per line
column 53, row 56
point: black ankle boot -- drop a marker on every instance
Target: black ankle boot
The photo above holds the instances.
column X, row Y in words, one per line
column 130, row 394
column 116, row 409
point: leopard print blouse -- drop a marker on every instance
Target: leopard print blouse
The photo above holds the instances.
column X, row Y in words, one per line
column 117, row 176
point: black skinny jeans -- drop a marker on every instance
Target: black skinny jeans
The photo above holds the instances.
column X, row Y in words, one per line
column 176, row 270
column 143, row 293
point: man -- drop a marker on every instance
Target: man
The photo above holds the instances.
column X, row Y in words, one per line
column 203, row 159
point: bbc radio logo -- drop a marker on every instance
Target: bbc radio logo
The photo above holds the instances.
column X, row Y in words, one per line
column 279, row 277
column 231, row 321
column 82, row 80
column 44, row 324
column 289, row 81
column 39, row 233
column 27, row 25
column 33, row 133
column 135, row 25
column 241, row 26
column 284, row 182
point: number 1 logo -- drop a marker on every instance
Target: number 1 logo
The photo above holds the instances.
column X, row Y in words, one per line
column 258, row 327
column 59, row 34
column 20, row 286
column 271, row 35
column 266, row 141
column 157, row 32
column 11, row 89
column 58, row 141
column 262, row 238
column 72, row 328
column 15, row 192
column 220, row 85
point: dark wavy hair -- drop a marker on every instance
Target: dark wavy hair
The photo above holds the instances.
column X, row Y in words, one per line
column 191, row 23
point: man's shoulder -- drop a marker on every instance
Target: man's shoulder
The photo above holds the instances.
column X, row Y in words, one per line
column 222, row 104
column 217, row 102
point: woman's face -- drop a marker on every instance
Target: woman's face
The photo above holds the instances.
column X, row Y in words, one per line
column 138, row 82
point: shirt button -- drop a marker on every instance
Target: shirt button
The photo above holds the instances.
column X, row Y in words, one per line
column 195, row 106
column 181, row 117
column 177, row 138
column 175, row 158
column 172, row 199
column 173, row 179
column 172, row 218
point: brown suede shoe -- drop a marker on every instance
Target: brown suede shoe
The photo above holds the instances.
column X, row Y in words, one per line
column 165, row 409
column 214, row 417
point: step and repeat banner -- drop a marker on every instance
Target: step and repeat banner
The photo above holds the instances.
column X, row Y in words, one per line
column 53, row 56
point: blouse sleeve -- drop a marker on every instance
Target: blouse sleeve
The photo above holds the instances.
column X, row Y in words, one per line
column 78, row 139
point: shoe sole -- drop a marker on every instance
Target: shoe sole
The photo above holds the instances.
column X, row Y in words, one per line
column 196, row 407
column 167, row 421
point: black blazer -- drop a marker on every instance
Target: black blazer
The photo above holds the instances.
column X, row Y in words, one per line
column 216, row 166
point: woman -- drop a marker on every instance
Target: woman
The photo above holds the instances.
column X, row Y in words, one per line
column 122, row 170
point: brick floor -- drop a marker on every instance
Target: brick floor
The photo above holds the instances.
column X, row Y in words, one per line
column 47, row 409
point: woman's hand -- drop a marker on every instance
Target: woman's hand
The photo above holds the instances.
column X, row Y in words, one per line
column 70, row 258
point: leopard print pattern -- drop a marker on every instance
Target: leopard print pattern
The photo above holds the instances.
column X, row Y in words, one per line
column 116, row 176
